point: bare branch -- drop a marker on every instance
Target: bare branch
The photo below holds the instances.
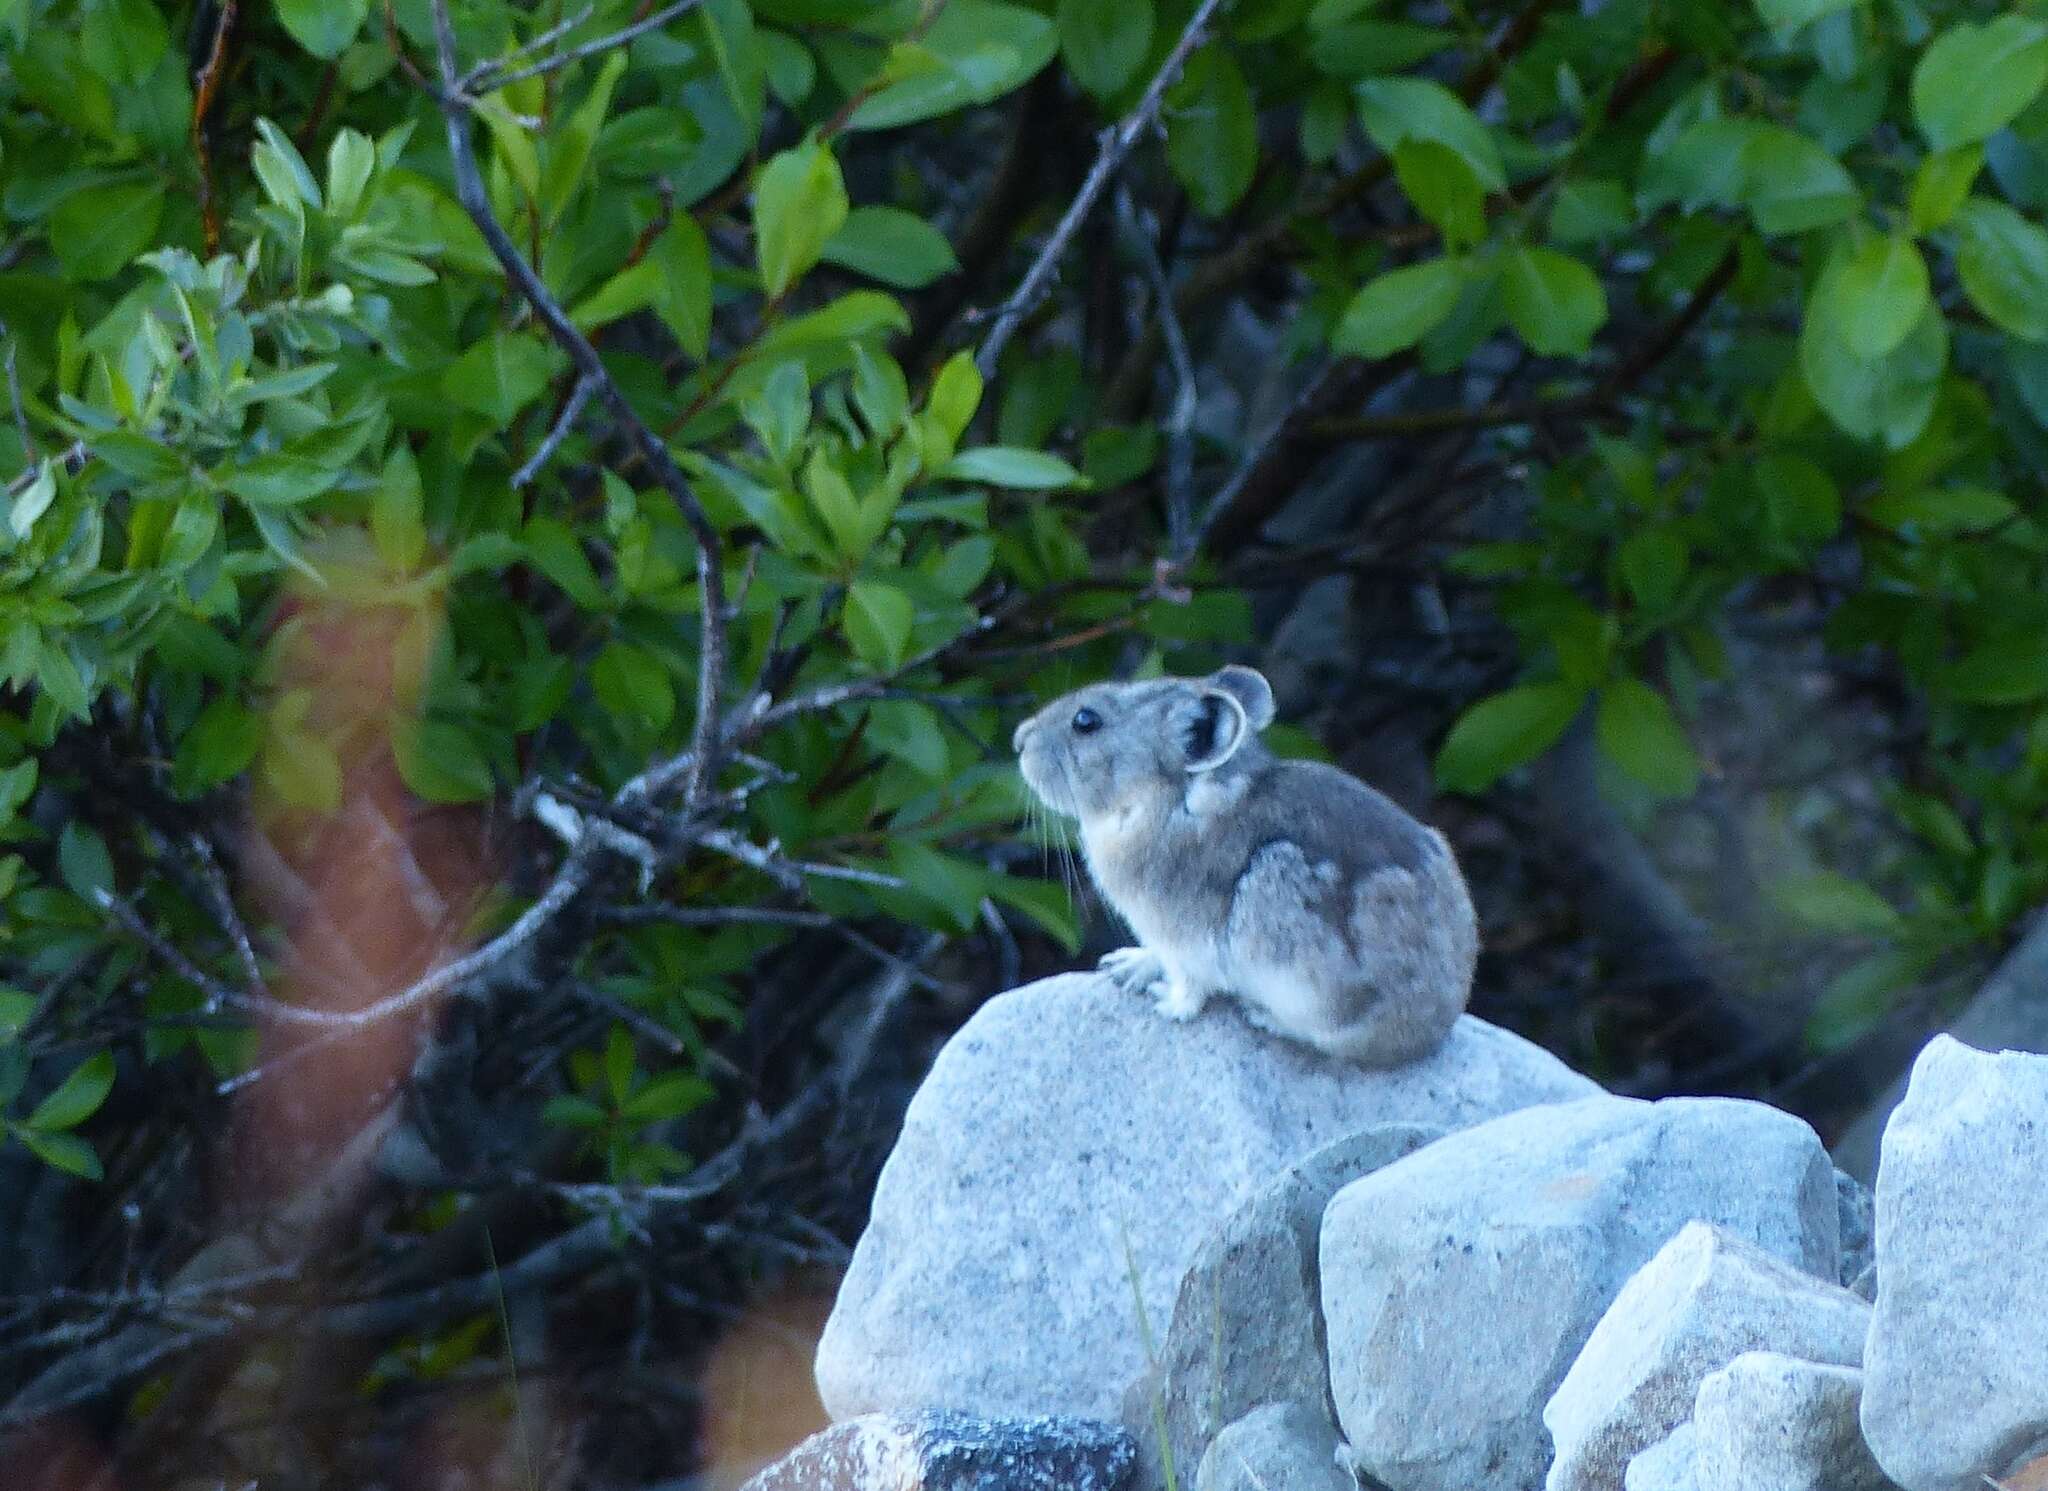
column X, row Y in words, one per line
column 540, row 41
column 29, row 454
column 224, row 907
column 1283, row 428
column 1180, row 420
column 489, row 76
column 571, row 411
column 216, row 992
column 772, row 862
column 469, row 190
column 1116, row 143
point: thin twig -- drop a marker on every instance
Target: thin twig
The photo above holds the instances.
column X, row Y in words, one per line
column 1281, row 429
column 488, row 77
column 787, row 872
column 205, row 88
column 571, row 411
column 29, row 454
column 1116, row 143
column 1179, row 426
column 224, row 907
column 538, row 42
column 215, row 992
column 469, row 190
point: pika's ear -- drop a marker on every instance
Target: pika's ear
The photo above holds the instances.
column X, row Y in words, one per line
column 1211, row 725
column 1249, row 688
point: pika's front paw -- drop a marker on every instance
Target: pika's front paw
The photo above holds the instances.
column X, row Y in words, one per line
column 1132, row 968
column 1179, row 1000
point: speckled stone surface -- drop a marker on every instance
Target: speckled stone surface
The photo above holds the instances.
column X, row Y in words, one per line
column 956, row 1452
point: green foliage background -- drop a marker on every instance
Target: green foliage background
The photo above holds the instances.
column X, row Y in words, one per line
column 1752, row 299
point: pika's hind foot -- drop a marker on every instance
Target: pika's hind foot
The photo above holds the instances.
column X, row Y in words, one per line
column 1178, row 999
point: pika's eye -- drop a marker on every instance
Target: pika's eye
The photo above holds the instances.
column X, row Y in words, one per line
column 1086, row 722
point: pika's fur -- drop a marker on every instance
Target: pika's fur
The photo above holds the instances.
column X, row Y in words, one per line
column 1332, row 915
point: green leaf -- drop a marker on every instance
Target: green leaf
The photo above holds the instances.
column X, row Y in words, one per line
column 488, row 552
column 1554, row 302
column 33, row 500
column 441, row 762
column 191, row 534
column 1875, row 295
column 398, row 511
column 323, row 27
column 1639, row 733
column 1444, row 190
column 878, row 621
column 1653, row 565
column 1397, row 109
column 799, row 203
column 913, row 734
column 557, row 553
column 77, row 1097
column 279, row 480
column 1212, row 131
column 888, row 244
column 1104, row 45
column 1395, row 310
column 1585, row 211
column 122, row 40
column 634, row 288
column 667, row 1097
column 302, row 769
column 83, row 861
column 17, row 1008
column 1787, row 16
column 955, row 395
column 287, row 179
column 619, row 1064
column 974, row 53
column 880, row 391
column 1829, row 902
column 351, row 160
column 96, row 233
column 632, row 685
column 1046, row 902
column 1859, row 999
column 566, row 1111
column 218, row 745
column 1366, row 49
column 684, row 304
column 1801, row 502
column 1790, row 184
column 500, row 375
column 1974, row 80
column 2012, row 669
column 1010, row 466
column 17, row 785
column 65, row 1152
column 1889, row 398
column 1702, row 166
column 854, row 524
column 1939, row 512
column 1941, row 185
column 1504, row 731
column 2002, row 260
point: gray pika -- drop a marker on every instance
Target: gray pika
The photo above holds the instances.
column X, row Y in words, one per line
column 1333, row 916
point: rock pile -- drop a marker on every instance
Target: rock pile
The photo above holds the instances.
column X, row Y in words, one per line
column 1270, row 1269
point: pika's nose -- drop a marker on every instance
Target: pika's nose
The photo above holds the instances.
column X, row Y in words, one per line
column 1017, row 735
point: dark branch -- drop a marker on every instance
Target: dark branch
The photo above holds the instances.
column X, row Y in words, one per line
column 1117, row 141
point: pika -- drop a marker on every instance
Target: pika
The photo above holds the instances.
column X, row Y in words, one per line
column 1334, row 917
